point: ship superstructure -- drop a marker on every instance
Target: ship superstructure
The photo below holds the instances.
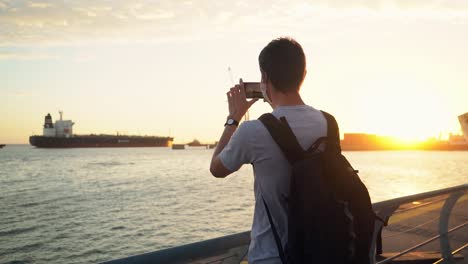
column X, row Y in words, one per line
column 61, row 128
column 60, row 135
column 464, row 124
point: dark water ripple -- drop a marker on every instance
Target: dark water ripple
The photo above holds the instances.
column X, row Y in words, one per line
column 29, row 204
column 17, row 231
column 23, row 261
column 92, row 205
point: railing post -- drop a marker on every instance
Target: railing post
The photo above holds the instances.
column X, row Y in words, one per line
column 445, row 249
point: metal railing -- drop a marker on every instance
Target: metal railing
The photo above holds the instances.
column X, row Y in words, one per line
column 387, row 208
column 190, row 252
column 223, row 249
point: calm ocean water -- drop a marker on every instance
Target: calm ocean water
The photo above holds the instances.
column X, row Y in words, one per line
column 92, row 205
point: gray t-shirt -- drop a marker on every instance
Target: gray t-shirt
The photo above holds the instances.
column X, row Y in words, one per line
column 252, row 143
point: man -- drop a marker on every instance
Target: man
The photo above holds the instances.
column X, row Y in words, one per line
column 283, row 68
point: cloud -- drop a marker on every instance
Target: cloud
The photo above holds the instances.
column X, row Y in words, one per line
column 67, row 22
column 154, row 15
column 23, row 94
column 46, row 22
column 39, row 5
column 7, row 92
column 402, row 5
column 25, row 56
column 83, row 57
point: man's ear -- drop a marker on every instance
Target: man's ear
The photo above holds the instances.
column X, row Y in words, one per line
column 264, row 77
column 269, row 86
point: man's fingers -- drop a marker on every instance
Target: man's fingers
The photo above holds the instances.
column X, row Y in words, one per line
column 238, row 103
column 242, row 90
column 235, row 93
column 241, row 85
column 229, row 96
column 237, row 88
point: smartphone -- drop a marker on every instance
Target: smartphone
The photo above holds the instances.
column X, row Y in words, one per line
column 252, row 90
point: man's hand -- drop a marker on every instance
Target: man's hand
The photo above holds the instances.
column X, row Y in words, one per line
column 238, row 104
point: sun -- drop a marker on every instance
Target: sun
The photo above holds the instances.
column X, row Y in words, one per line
column 407, row 111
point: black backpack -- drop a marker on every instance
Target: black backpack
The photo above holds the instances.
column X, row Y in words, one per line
column 330, row 216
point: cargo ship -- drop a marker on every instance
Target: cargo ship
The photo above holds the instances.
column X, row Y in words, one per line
column 60, row 135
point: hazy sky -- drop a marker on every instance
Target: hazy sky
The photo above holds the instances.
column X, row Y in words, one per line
column 160, row 67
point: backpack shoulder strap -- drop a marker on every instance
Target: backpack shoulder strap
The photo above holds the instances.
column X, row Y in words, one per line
column 283, row 136
column 333, row 133
column 275, row 234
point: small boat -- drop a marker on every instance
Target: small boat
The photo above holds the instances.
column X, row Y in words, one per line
column 2, row 145
column 178, row 146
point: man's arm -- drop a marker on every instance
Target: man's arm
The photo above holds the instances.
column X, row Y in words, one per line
column 217, row 168
column 238, row 106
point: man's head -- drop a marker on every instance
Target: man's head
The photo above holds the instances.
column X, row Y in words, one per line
column 282, row 62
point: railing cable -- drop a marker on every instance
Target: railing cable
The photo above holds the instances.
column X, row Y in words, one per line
column 453, row 253
column 388, row 260
column 412, row 228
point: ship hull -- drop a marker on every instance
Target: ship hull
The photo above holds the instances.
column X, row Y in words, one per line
column 99, row 142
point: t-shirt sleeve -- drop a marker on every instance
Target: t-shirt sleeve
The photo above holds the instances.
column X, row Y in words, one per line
column 238, row 151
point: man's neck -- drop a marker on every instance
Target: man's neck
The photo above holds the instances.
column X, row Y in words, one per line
column 289, row 99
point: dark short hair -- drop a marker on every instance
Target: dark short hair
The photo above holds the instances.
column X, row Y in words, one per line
column 284, row 63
